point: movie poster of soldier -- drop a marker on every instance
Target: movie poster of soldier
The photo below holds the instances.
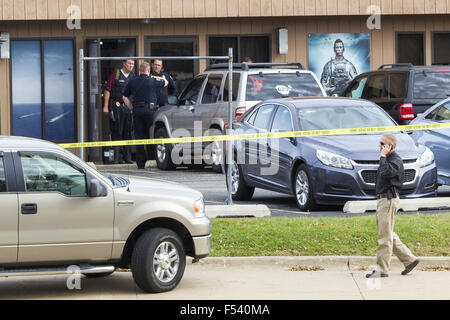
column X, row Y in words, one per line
column 336, row 58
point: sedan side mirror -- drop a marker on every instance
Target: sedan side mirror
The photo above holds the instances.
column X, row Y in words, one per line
column 95, row 189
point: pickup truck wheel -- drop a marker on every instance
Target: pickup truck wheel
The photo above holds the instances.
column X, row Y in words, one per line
column 98, row 275
column 163, row 152
column 158, row 260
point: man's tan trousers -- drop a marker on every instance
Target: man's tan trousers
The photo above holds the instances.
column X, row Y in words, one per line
column 388, row 241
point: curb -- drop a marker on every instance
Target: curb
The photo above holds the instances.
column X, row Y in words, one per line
column 405, row 204
column 235, row 211
column 354, row 262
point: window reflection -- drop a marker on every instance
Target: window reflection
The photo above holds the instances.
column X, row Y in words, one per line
column 59, row 90
column 26, row 88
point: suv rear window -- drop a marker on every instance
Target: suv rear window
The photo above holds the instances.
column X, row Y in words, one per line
column 280, row 85
column 431, row 85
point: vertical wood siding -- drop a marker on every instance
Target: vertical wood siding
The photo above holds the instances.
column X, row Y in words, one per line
column 139, row 9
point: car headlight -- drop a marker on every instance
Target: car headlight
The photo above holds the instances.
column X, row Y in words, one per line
column 426, row 158
column 199, row 208
column 334, row 160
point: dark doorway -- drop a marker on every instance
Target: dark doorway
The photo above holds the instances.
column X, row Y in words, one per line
column 98, row 73
column 181, row 70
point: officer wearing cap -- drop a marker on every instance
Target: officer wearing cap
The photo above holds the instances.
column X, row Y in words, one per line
column 120, row 118
column 142, row 89
column 162, row 94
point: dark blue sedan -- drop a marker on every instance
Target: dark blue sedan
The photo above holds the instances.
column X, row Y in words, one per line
column 322, row 169
column 437, row 140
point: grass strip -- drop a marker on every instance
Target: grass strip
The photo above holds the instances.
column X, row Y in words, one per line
column 425, row 235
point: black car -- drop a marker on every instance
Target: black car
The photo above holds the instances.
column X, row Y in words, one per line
column 402, row 90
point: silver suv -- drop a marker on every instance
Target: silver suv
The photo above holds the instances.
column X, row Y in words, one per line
column 58, row 211
column 202, row 107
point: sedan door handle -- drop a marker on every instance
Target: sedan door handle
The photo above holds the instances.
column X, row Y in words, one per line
column 29, row 208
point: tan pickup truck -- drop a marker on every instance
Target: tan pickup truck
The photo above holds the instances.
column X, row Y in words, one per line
column 56, row 211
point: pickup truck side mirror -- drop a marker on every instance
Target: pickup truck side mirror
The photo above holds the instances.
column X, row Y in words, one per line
column 95, row 189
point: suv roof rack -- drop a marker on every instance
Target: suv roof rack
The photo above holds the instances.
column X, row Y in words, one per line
column 247, row 66
column 396, row 65
column 441, row 64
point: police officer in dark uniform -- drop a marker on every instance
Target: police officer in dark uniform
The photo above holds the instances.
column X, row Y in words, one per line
column 162, row 94
column 143, row 90
column 120, row 117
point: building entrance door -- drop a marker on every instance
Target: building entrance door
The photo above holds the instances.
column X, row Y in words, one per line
column 98, row 73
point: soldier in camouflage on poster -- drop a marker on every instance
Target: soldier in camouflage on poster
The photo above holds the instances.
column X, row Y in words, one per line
column 338, row 71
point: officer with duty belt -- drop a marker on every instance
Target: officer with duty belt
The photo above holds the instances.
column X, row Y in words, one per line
column 120, row 118
column 143, row 90
column 390, row 176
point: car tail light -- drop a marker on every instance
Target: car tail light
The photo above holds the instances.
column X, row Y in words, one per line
column 406, row 111
column 225, row 126
column 240, row 111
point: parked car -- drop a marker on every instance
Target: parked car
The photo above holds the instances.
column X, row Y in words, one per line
column 402, row 90
column 437, row 140
column 205, row 101
column 57, row 211
column 323, row 169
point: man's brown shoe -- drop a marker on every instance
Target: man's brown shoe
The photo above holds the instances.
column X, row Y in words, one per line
column 409, row 267
column 376, row 274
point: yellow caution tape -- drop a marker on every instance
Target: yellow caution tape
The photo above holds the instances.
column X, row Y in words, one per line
column 268, row 135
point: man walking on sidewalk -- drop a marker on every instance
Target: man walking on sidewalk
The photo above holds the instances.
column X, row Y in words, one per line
column 389, row 182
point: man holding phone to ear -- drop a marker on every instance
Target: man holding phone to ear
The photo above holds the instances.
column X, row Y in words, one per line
column 390, row 176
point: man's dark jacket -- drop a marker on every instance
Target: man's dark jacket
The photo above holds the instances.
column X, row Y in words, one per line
column 390, row 174
column 162, row 94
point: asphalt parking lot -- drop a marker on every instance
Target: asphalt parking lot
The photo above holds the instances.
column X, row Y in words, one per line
column 213, row 187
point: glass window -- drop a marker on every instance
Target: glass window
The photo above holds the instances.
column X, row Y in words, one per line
column 59, row 90
column 236, row 80
column 26, row 88
column 218, row 46
column 263, row 117
column 282, row 120
column 192, row 91
column 342, row 117
column 356, row 90
column 256, row 47
column 212, row 88
column 397, row 85
column 264, row 86
column 410, row 48
column 2, row 176
column 431, row 85
column 431, row 115
column 375, row 87
column 43, row 105
column 45, row 173
column 441, row 47
column 251, row 119
column 443, row 115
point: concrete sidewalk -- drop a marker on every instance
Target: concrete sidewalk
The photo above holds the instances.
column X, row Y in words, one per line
column 256, row 278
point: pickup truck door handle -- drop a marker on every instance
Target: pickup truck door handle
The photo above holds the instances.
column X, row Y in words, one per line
column 29, row 208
